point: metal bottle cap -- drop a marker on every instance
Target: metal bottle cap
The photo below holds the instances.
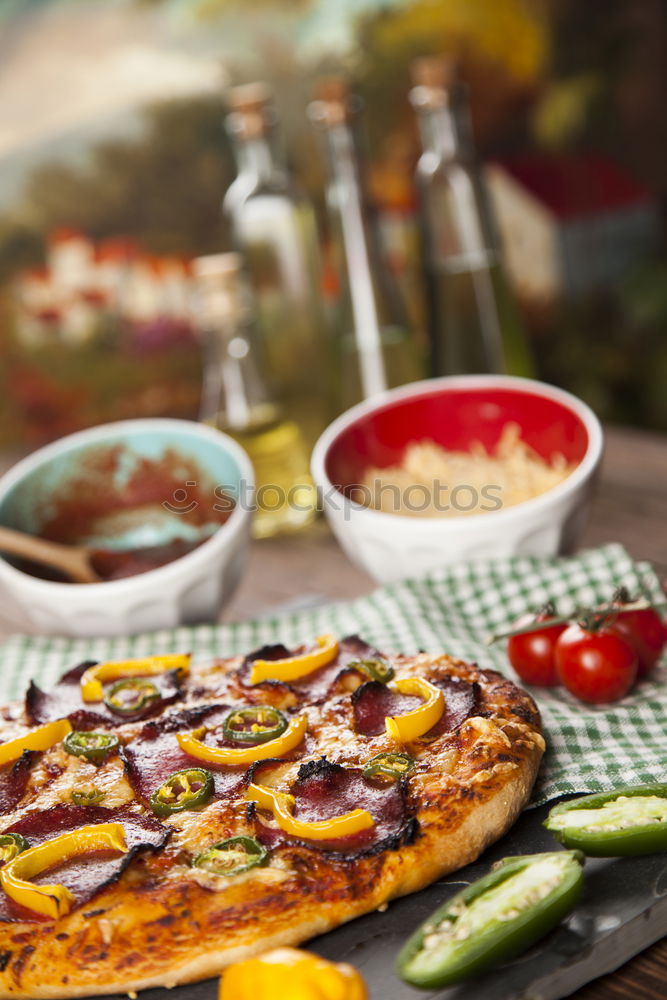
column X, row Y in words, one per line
column 251, row 114
column 433, row 78
column 333, row 101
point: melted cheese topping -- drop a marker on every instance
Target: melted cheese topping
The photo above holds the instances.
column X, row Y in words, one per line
column 269, row 875
column 58, row 774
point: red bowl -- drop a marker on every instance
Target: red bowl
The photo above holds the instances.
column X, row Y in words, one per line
column 455, row 412
column 454, row 419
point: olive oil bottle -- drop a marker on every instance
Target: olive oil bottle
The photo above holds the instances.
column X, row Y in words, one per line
column 272, row 224
column 473, row 322
column 372, row 345
column 237, row 399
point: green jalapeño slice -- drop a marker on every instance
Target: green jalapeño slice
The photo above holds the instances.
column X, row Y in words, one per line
column 388, row 766
column 254, row 725
column 130, row 696
column 88, row 798
column 187, row 789
column 11, row 844
column 631, row 820
column 375, row 668
column 493, row 919
column 231, row 857
column 93, row 746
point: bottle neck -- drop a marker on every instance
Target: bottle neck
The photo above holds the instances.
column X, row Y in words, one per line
column 256, row 158
column 346, row 202
column 442, row 120
column 344, row 190
column 437, row 133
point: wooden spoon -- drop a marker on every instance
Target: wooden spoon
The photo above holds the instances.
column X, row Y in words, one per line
column 73, row 560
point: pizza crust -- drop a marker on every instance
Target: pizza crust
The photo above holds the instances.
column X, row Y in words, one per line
column 158, row 926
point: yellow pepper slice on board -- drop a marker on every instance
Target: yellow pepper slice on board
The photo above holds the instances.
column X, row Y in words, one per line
column 233, row 757
column 293, row 974
column 412, row 725
column 281, row 805
column 42, row 738
column 147, row 666
column 56, row 900
column 293, row 667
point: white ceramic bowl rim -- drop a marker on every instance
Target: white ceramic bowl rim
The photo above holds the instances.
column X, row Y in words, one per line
column 92, row 435
column 426, row 388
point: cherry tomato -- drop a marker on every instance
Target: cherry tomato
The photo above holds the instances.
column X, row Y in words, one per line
column 532, row 653
column 596, row 666
column 645, row 631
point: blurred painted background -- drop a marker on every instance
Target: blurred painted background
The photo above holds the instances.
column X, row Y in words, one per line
column 114, row 161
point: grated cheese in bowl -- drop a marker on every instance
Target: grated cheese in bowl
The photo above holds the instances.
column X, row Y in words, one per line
column 432, row 481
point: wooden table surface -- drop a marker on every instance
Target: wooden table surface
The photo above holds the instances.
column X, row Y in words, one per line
column 629, row 508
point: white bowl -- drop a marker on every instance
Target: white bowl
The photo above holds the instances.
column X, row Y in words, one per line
column 192, row 588
column 455, row 411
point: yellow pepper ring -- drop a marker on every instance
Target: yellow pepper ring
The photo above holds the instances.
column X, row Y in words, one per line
column 148, row 666
column 293, row 667
column 412, row 725
column 56, row 900
column 281, row 805
column 42, row 738
column 233, row 757
column 289, row 972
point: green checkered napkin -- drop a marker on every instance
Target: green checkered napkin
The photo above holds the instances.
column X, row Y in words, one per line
column 451, row 610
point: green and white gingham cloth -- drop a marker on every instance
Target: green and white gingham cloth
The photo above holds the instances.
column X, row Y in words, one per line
column 451, row 610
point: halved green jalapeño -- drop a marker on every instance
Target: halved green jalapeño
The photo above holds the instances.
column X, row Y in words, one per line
column 254, row 725
column 93, row 746
column 130, row 696
column 388, row 766
column 493, row 919
column 232, row 856
column 88, row 798
column 374, row 668
column 186, row 789
column 627, row 821
column 11, row 844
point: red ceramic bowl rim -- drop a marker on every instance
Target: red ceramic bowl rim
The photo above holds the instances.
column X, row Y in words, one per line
column 426, row 387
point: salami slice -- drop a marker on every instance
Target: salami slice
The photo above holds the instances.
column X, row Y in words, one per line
column 86, row 875
column 316, row 686
column 372, row 702
column 64, row 701
column 14, row 781
column 324, row 791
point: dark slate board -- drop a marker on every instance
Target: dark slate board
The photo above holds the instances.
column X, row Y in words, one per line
column 622, row 911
